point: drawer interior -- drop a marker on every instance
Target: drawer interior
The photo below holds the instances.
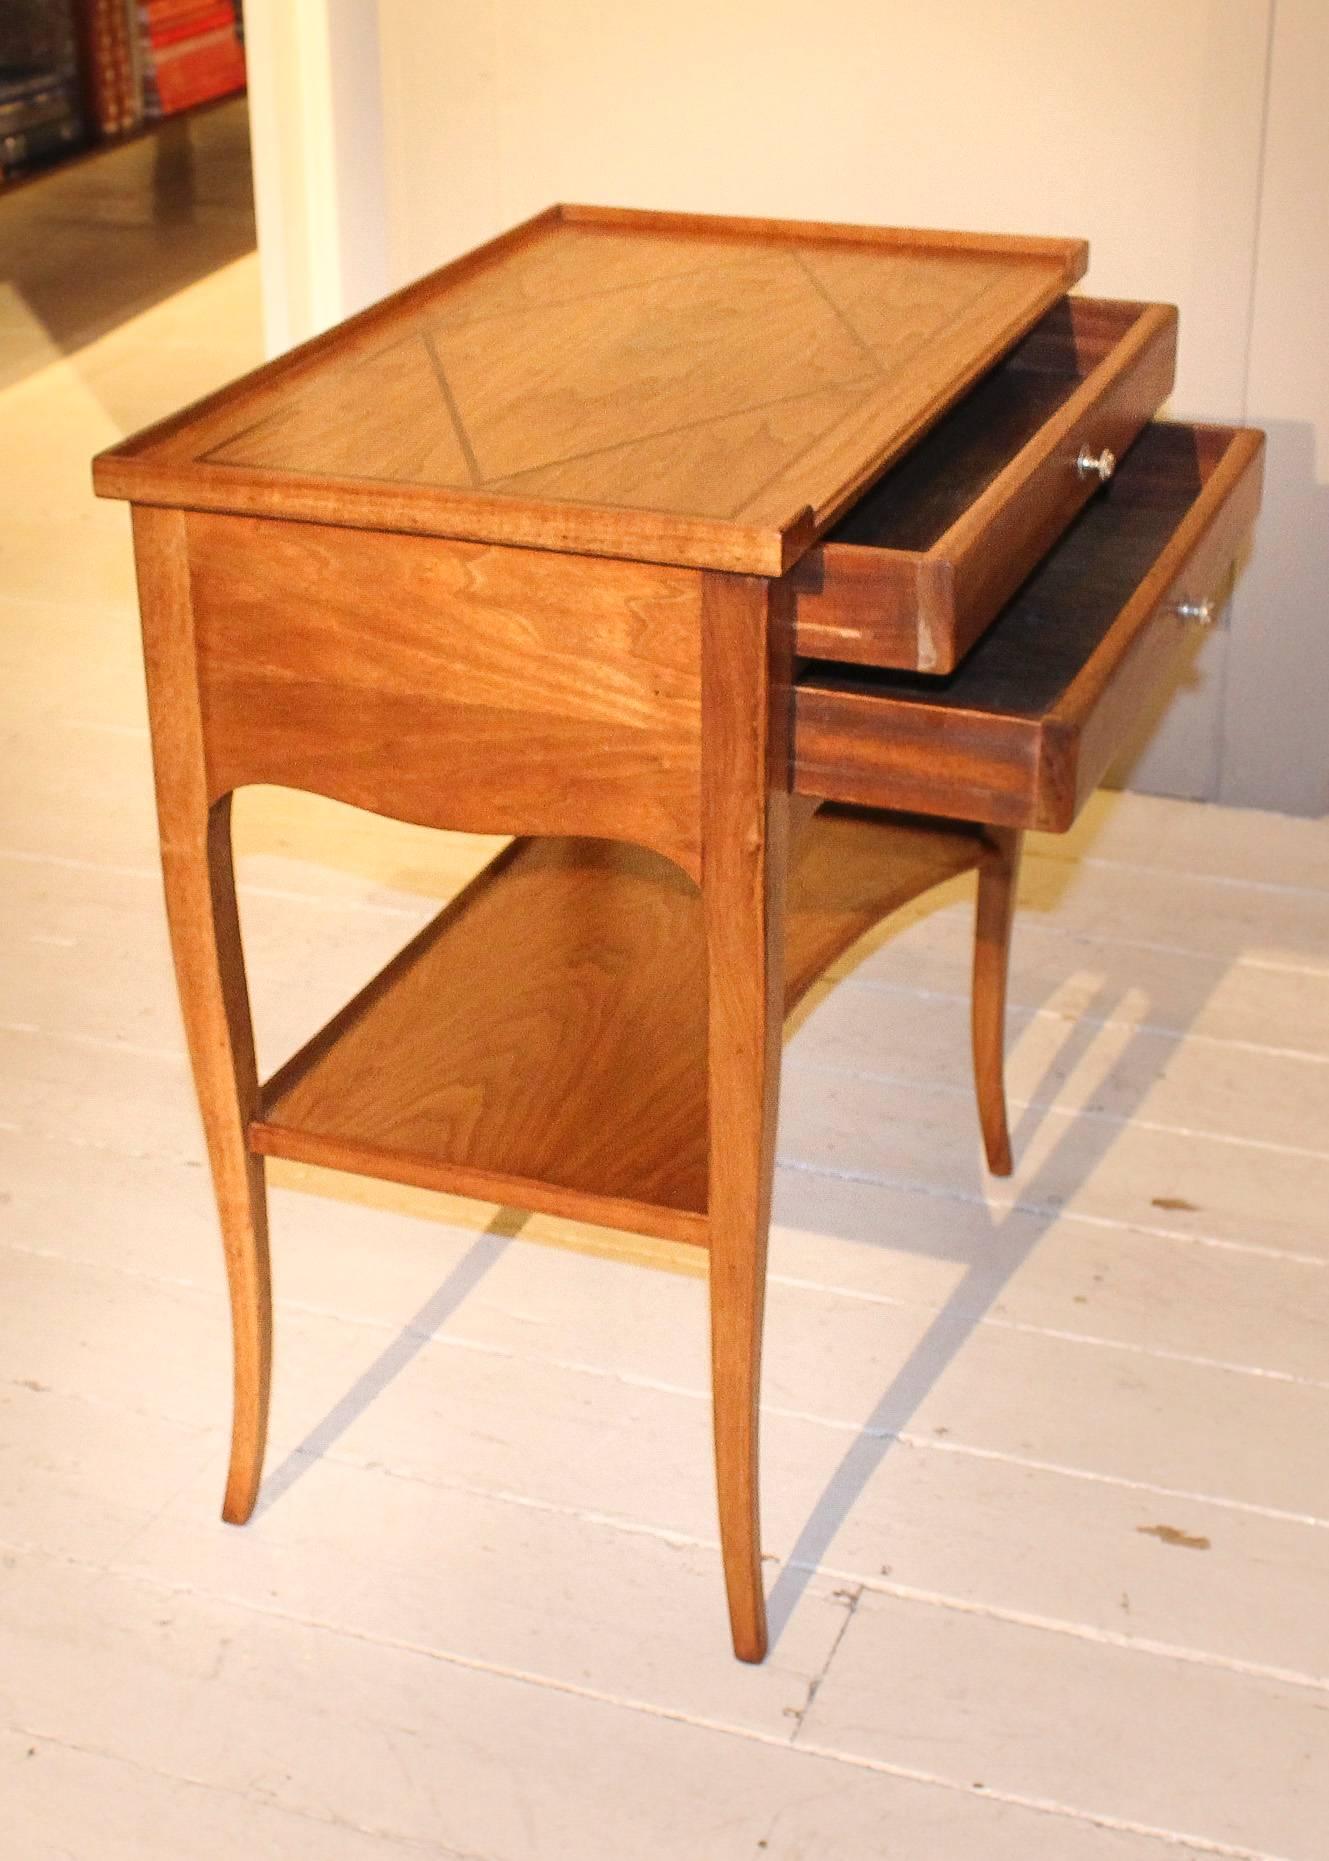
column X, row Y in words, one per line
column 920, row 499
column 1022, row 729
column 1042, row 639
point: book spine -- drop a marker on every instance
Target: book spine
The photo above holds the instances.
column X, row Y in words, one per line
column 113, row 88
column 134, row 40
column 156, row 15
column 210, row 19
column 211, row 68
column 105, row 110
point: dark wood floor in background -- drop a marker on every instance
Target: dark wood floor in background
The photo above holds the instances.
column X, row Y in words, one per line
column 92, row 244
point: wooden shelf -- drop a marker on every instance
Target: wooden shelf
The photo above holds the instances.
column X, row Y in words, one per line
column 543, row 1041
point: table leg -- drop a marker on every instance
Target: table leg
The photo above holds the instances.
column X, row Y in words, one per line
column 197, row 869
column 745, row 831
column 998, row 876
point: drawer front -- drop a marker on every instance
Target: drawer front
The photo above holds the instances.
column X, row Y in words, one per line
column 921, row 566
column 1021, row 734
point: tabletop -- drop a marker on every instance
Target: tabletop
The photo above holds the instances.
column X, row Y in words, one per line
column 690, row 389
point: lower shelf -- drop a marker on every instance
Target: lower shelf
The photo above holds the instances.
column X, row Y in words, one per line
column 542, row 1043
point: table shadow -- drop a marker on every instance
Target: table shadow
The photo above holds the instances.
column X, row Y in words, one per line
column 483, row 1254
column 1036, row 1210
column 990, row 1258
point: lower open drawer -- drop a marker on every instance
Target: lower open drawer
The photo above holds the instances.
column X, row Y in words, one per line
column 1021, row 733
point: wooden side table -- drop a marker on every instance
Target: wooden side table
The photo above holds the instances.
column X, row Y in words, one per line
column 635, row 536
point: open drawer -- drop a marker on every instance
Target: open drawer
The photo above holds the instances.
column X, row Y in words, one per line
column 911, row 576
column 1021, row 734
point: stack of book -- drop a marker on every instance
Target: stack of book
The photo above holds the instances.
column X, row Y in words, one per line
column 80, row 71
column 191, row 53
column 40, row 118
column 110, row 51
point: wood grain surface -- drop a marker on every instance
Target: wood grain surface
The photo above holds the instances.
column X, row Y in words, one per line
column 201, row 912
column 451, row 684
column 543, row 1040
column 923, row 562
column 1022, row 732
column 994, row 918
column 672, row 388
column 747, row 676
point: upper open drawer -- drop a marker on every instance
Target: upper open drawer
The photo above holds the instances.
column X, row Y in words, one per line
column 1021, row 734
column 912, row 575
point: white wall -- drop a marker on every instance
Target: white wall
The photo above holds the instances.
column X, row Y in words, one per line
column 1274, row 731
column 316, row 130
column 1186, row 141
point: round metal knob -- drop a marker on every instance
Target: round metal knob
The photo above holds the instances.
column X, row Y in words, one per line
column 1202, row 613
column 1100, row 465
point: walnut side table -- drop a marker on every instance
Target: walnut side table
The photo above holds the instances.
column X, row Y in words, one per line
column 635, row 536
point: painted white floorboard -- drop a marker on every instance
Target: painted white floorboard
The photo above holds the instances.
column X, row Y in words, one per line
column 97, row 964
column 1134, row 1174
column 1055, row 973
column 79, row 1476
column 518, row 1397
column 62, row 1802
column 1117, row 1069
column 416, row 1744
column 1186, row 1425
column 550, row 1591
column 1244, row 1762
column 1242, row 844
column 1183, row 910
column 1115, row 1287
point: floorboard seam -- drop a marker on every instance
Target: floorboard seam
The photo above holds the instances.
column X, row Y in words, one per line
column 1224, row 960
column 1100, row 862
column 833, row 1424
column 1094, row 1340
column 1047, row 1108
column 1081, row 1631
column 102, row 1043
column 151, row 874
column 1278, row 1514
column 1014, row 1205
column 835, row 1582
column 1056, row 1334
column 801, row 1166
column 414, row 1843
column 754, row 1734
column 850, row 1597
column 1178, row 1036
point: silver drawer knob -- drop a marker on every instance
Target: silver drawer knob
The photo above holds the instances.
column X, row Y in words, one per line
column 1099, row 465
column 1202, row 613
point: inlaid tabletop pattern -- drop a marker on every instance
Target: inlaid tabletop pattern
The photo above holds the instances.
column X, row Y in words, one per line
column 699, row 370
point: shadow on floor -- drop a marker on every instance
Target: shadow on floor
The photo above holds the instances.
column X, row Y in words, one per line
column 483, row 1253
column 990, row 1250
column 990, row 1259
column 88, row 246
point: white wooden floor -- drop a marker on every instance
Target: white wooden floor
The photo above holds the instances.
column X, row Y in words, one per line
column 1046, row 1477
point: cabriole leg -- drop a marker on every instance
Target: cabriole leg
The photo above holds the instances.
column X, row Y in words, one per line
column 998, row 876
column 205, row 938
column 198, row 873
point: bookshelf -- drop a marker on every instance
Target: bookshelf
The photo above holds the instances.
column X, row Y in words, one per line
column 80, row 76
